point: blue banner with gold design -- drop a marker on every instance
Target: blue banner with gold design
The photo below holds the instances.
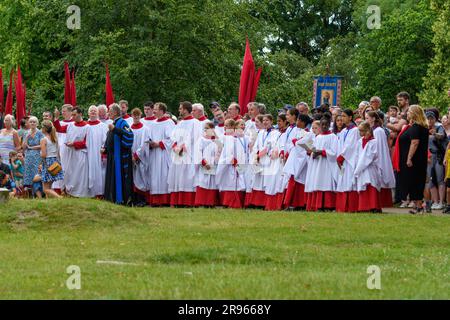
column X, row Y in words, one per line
column 327, row 89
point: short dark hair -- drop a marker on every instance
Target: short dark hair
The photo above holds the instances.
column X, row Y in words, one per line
column 294, row 112
column 268, row 116
column 304, row 118
column 186, row 105
column 376, row 116
column 349, row 112
column 136, row 112
column 326, row 116
column 394, row 108
column 77, row 110
column 161, row 106
column 404, row 95
column 149, row 104
column 282, row 117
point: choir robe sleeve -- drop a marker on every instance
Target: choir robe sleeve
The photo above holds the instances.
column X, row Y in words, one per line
column 366, row 156
column 226, row 157
column 349, row 150
column 303, row 157
column 384, row 163
column 166, row 142
column 255, row 149
column 95, row 140
column 59, row 128
column 199, row 149
column 143, row 151
column 198, row 143
column 331, row 151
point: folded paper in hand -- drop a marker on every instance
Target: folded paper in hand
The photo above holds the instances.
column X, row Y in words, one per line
column 307, row 147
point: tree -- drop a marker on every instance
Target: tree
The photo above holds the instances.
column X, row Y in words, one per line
column 163, row 50
column 286, row 79
column 305, row 26
column 395, row 57
column 437, row 80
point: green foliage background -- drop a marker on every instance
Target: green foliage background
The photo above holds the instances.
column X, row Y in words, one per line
column 173, row 50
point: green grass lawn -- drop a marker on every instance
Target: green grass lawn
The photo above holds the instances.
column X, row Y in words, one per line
column 217, row 254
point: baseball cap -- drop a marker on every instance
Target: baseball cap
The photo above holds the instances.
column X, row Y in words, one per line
column 214, row 105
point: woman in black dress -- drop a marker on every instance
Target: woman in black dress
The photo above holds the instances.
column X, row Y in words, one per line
column 413, row 145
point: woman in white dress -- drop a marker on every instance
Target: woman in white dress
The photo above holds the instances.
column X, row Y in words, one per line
column 9, row 139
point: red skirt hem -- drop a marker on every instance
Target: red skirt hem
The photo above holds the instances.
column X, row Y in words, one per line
column 274, row 202
column 232, row 199
column 182, row 199
column 257, row 198
column 295, row 194
column 206, row 197
column 386, row 198
column 347, row 201
column 158, row 199
column 318, row 200
column 369, row 200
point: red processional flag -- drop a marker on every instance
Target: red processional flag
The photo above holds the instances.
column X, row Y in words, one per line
column 109, row 89
column 73, row 90
column 2, row 98
column 248, row 68
column 256, row 85
column 249, row 83
column 20, row 97
column 9, row 96
column 67, row 85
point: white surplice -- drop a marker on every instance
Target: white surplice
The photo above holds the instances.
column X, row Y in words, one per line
column 229, row 177
column 76, row 175
column 367, row 171
column 95, row 140
column 384, row 160
column 183, row 169
column 322, row 171
column 160, row 160
column 141, row 150
column 348, row 140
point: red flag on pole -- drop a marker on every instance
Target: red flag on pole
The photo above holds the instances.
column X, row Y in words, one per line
column 247, row 67
column 9, row 96
column 20, row 99
column 249, row 83
column 73, row 90
column 2, row 92
column 256, row 84
column 67, row 86
column 109, row 89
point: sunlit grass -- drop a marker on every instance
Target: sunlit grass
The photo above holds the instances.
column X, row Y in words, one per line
column 161, row 253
